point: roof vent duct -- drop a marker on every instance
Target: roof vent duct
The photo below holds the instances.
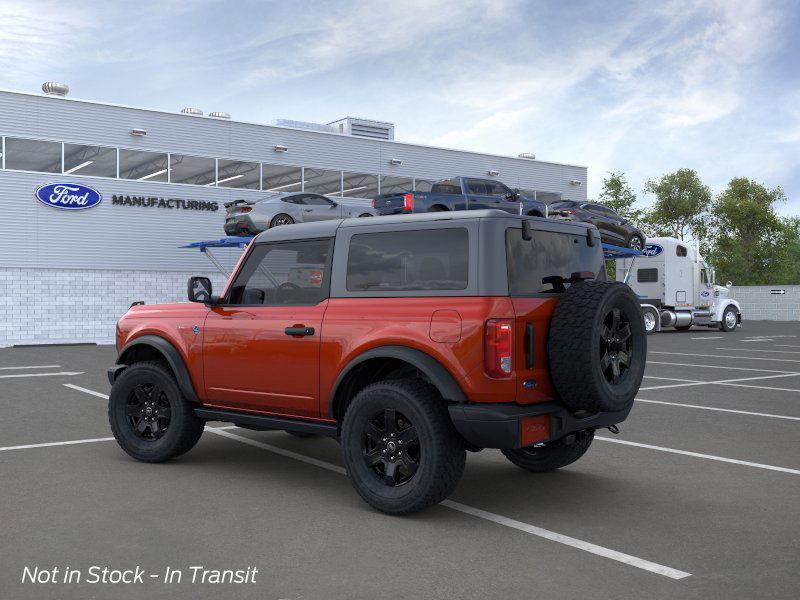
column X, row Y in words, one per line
column 219, row 115
column 51, row 88
column 376, row 130
column 303, row 125
column 527, row 155
column 192, row 111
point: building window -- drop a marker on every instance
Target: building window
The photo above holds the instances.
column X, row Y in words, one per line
column 360, row 185
column 280, row 178
column 194, row 170
column 396, row 185
column 96, row 161
column 237, row 174
column 423, row 185
column 321, row 181
column 33, row 155
column 144, row 166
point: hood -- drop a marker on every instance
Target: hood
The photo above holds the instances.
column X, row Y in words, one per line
column 720, row 291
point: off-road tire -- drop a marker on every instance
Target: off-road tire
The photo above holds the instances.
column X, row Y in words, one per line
column 551, row 456
column 441, row 451
column 631, row 239
column 184, row 428
column 576, row 347
column 723, row 326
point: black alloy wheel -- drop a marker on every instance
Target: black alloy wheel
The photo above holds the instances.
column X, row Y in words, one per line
column 615, row 346
column 391, row 447
column 282, row 219
column 148, row 411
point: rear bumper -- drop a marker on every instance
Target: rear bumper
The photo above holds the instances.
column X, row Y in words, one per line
column 500, row 425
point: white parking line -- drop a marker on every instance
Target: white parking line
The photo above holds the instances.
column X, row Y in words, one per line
column 482, row 514
column 708, row 337
column 725, row 356
column 668, row 379
column 759, row 340
column 15, row 375
column 759, row 387
column 787, row 346
column 49, row 444
column 718, row 382
column 82, row 389
column 759, row 350
column 700, row 455
column 31, row 367
column 727, row 410
column 657, row 362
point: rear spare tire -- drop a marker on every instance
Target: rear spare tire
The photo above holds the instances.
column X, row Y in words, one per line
column 597, row 346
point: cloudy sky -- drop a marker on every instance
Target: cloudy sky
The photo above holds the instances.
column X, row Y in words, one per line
column 641, row 87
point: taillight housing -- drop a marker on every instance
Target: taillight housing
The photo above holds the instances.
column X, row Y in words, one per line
column 246, row 209
column 569, row 212
column 373, row 202
column 499, row 347
column 408, row 202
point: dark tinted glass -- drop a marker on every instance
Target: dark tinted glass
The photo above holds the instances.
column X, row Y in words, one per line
column 647, row 275
column 495, row 188
column 476, row 186
column 315, row 200
column 290, row 273
column 545, row 263
column 445, row 187
column 681, row 251
column 434, row 259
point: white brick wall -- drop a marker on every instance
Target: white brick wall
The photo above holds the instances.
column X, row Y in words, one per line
column 49, row 306
column 759, row 304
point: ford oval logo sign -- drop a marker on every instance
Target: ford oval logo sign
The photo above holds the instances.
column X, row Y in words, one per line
column 652, row 250
column 68, row 196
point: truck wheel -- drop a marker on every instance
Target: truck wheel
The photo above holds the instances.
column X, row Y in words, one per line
column 554, row 455
column 635, row 243
column 650, row 320
column 729, row 320
column 400, row 448
column 150, row 418
column 597, row 346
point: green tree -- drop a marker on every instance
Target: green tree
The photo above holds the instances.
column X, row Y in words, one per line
column 750, row 243
column 681, row 205
column 617, row 194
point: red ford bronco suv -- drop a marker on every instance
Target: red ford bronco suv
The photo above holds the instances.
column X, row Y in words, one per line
column 410, row 338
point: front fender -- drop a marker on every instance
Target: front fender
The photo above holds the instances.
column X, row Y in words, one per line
column 725, row 303
column 167, row 351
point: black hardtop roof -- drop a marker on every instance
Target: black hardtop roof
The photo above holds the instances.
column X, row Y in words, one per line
column 322, row 229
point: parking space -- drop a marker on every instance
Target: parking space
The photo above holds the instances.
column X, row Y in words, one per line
column 695, row 498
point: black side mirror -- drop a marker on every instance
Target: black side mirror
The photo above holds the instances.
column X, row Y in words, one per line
column 199, row 290
column 334, row 204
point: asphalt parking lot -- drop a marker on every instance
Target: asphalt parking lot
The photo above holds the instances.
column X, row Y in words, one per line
column 697, row 497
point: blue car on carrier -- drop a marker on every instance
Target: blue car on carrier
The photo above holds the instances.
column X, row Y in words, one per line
column 461, row 193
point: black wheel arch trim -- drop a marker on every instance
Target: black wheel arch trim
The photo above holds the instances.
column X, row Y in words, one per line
column 438, row 375
column 170, row 354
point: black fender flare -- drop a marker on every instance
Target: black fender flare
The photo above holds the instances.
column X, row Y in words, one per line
column 170, row 354
column 438, row 375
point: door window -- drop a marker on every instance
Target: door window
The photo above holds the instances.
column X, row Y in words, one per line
column 288, row 273
column 477, row 187
column 495, row 188
column 315, row 200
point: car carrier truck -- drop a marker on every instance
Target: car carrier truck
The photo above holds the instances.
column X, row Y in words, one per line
column 676, row 288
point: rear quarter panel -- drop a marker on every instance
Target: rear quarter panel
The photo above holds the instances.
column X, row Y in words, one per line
column 355, row 325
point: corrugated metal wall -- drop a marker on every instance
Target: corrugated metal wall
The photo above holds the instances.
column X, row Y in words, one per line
column 123, row 237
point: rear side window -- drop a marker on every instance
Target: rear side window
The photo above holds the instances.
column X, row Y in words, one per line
column 647, row 275
column 544, row 264
column 284, row 273
column 431, row 259
column 681, row 251
column 446, row 187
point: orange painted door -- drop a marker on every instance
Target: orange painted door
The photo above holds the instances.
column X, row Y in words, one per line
column 251, row 362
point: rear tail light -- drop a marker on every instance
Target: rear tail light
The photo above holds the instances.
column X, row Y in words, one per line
column 408, row 202
column 569, row 212
column 499, row 344
column 246, row 209
column 373, row 201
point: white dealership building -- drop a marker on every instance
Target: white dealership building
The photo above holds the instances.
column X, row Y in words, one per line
column 161, row 179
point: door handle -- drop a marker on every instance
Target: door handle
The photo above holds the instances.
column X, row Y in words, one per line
column 299, row 331
column 308, row 209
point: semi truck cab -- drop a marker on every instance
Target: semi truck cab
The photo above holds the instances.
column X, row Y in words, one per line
column 676, row 288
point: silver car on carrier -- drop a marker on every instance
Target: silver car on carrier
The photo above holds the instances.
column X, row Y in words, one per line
column 250, row 217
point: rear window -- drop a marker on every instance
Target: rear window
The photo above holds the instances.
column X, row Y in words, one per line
column 544, row 264
column 431, row 259
column 446, row 186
